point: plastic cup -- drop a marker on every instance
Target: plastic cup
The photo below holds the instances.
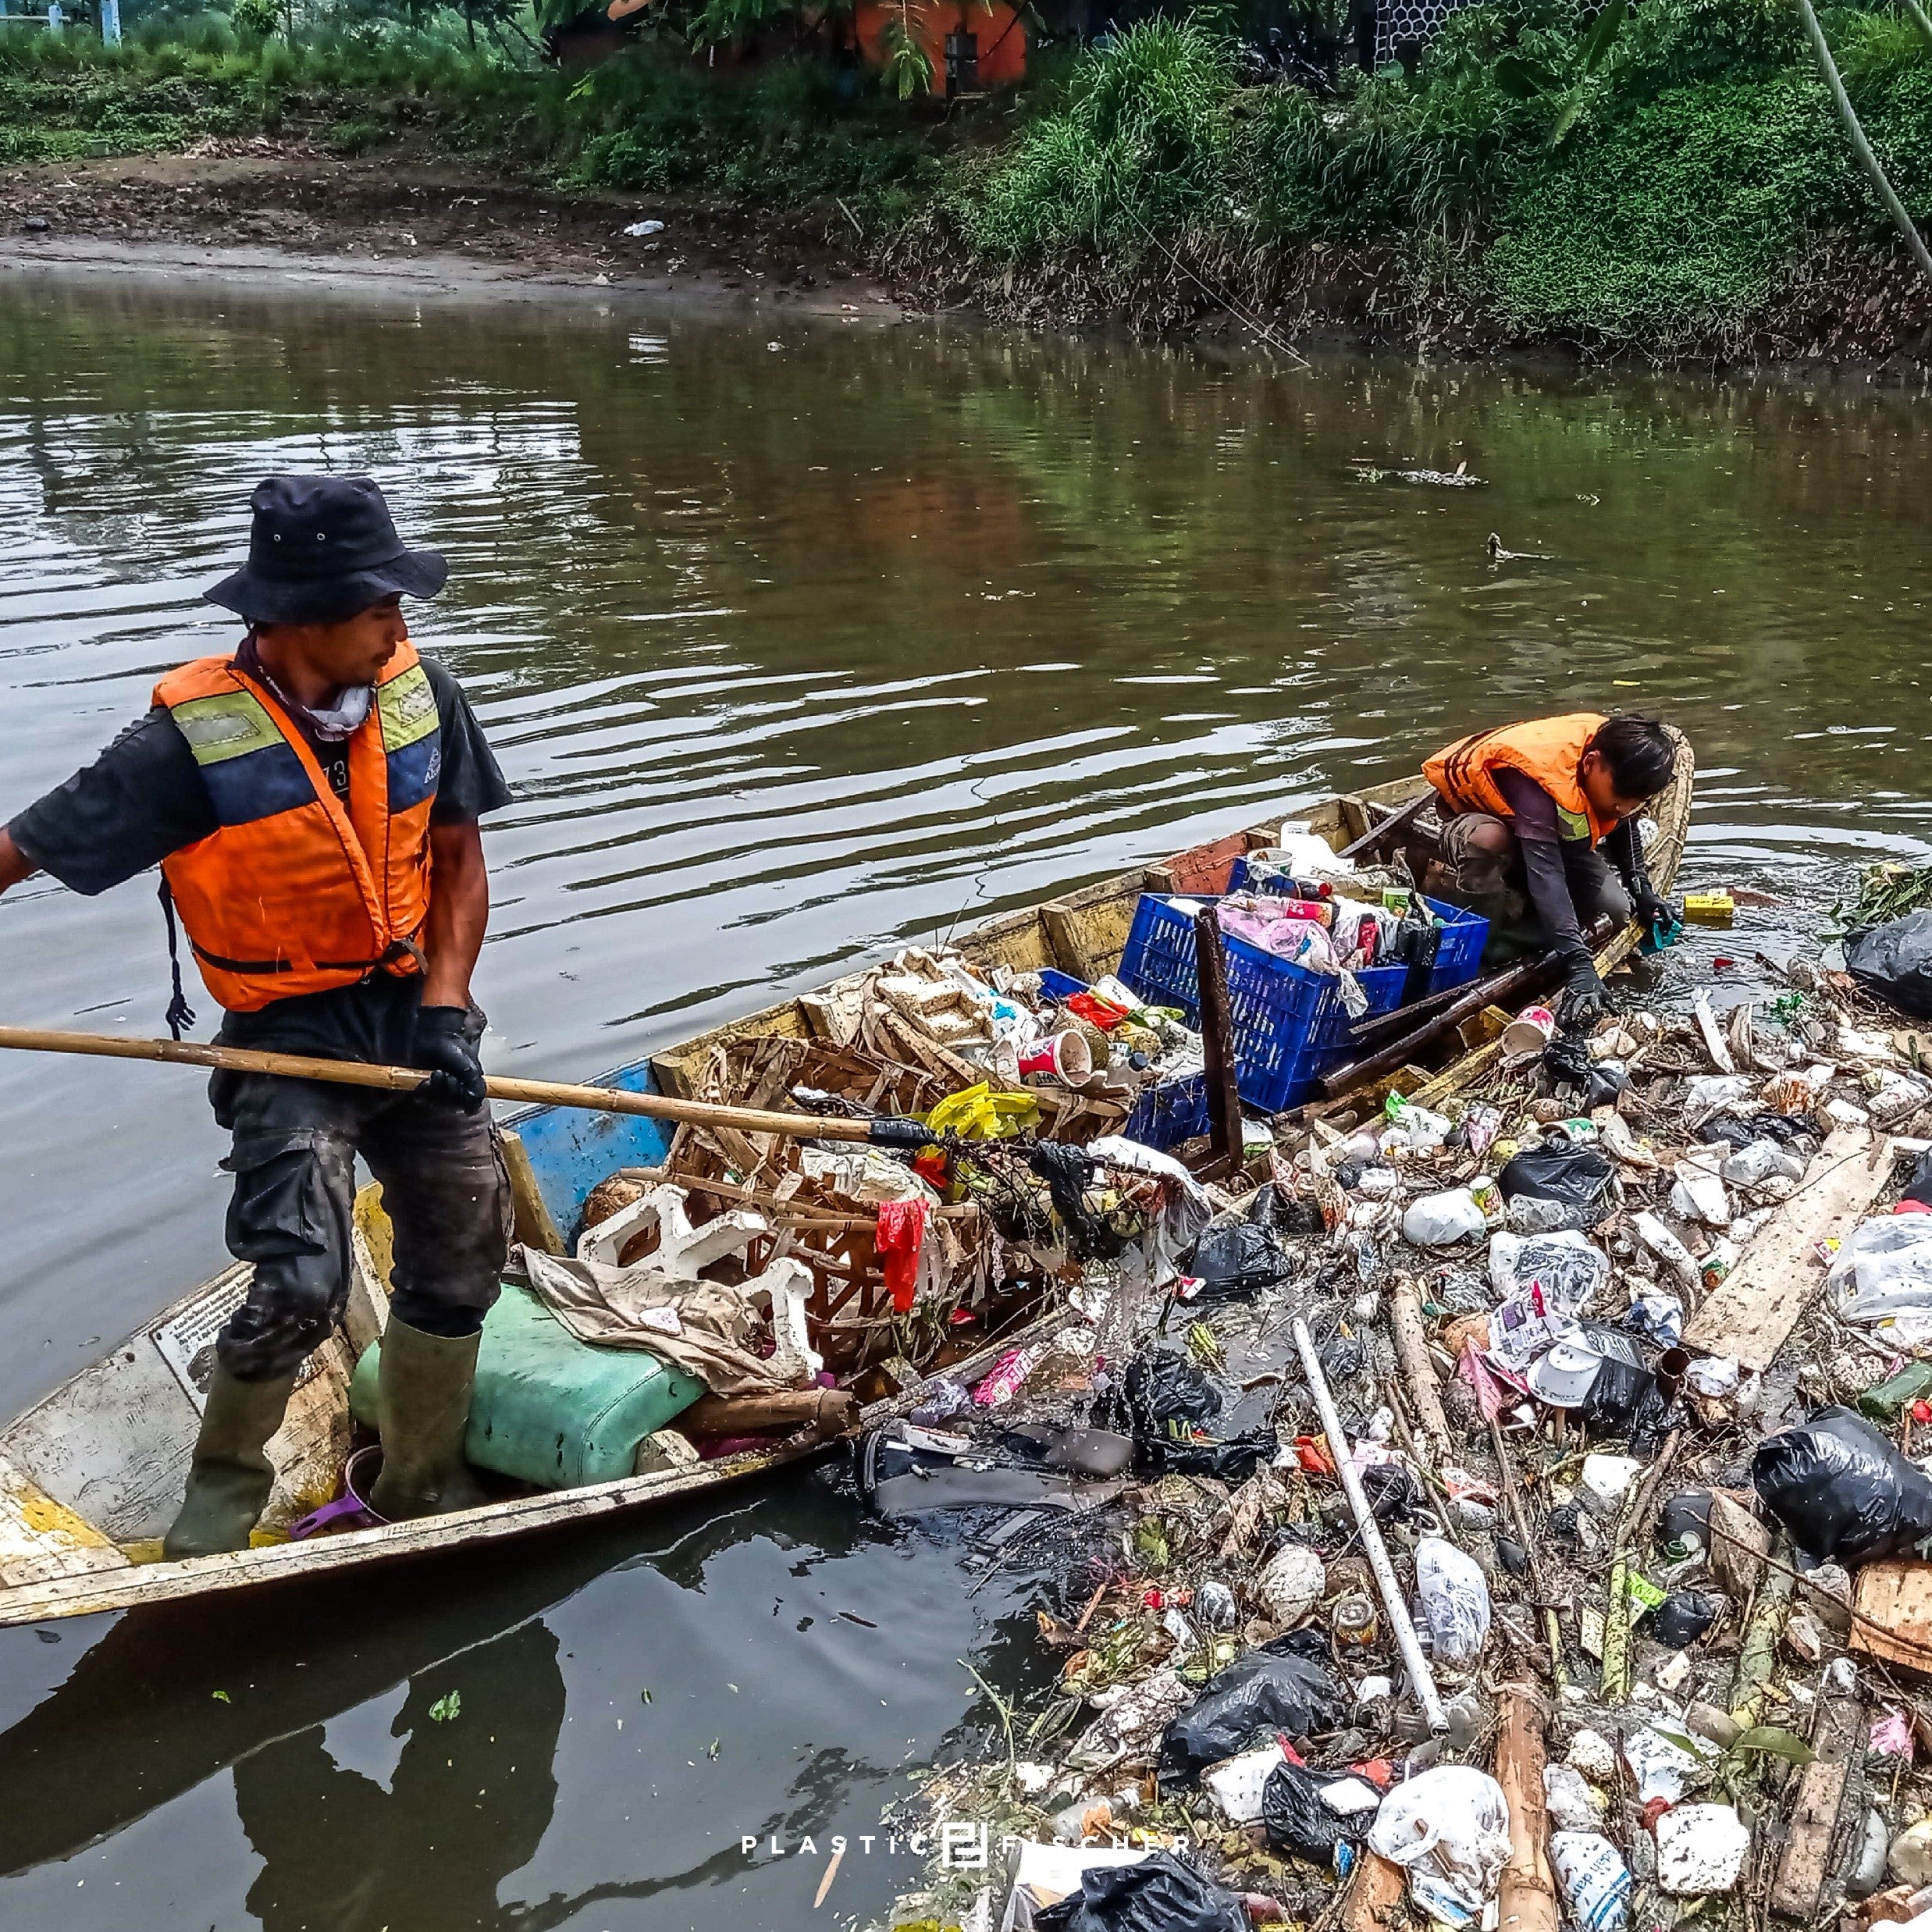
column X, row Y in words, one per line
column 1529, row 1032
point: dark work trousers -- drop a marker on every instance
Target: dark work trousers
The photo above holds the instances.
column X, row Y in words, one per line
column 444, row 1188
column 1482, row 869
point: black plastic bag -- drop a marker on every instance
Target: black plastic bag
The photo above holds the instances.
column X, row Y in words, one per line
column 1394, row 1495
column 1285, row 1686
column 1237, row 1257
column 1683, row 1616
column 1919, row 1186
column 1894, row 961
column 1735, row 1131
column 1159, row 1894
column 1843, row 1492
column 1296, row 1820
column 1559, row 1170
column 1234, row 1461
column 1163, row 1387
column 1622, row 1385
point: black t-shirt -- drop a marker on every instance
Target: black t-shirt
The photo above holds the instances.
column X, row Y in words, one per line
column 143, row 798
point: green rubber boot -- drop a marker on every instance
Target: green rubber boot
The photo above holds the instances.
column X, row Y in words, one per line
column 230, row 1475
column 423, row 1399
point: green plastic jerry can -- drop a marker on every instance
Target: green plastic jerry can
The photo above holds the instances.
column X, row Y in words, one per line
column 548, row 1408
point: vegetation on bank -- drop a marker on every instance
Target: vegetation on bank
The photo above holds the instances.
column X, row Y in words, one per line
column 1639, row 176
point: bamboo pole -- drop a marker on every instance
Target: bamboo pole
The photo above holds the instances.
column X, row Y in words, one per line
column 406, row 1080
column 1217, row 1042
column 1526, row 1901
column 1411, row 1348
column 1874, row 169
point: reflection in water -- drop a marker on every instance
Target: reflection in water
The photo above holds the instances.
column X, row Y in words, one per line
column 468, row 1803
column 787, row 655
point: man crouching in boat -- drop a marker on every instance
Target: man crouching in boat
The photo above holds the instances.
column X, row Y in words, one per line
column 312, row 802
column 1535, row 816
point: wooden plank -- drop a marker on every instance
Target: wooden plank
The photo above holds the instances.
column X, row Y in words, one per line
column 40, row 1539
column 1205, row 868
column 532, row 1222
column 1805, row 1862
column 1891, row 1616
column 1750, row 1313
column 1377, row 1897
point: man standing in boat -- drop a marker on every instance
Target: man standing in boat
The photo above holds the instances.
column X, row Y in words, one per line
column 1535, row 816
column 313, row 804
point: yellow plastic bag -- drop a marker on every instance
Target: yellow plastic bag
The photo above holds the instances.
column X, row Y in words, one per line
column 981, row 1113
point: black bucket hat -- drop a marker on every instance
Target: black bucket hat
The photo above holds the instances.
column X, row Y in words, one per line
column 321, row 549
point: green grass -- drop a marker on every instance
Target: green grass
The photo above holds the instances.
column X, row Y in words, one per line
column 1652, row 199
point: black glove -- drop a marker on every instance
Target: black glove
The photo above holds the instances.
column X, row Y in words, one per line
column 1584, row 1001
column 455, row 1077
column 1649, row 908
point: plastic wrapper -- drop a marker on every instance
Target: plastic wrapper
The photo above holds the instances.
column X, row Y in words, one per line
column 1884, row 1268
column 1298, row 1819
column 1450, row 1825
column 1842, row 1491
column 1894, row 961
column 1453, row 1596
column 1158, row 1894
column 1286, row 1686
column 1595, row 1880
column 1570, row 1267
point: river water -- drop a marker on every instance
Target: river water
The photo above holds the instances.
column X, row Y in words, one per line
column 794, row 640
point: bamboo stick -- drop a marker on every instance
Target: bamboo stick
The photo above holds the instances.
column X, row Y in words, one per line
column 1526, row 1901
column 406, row 1080
column 1217, row 1042
column 1411, row 1348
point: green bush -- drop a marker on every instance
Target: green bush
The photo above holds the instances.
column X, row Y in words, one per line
column 1148, row 144
column 1673, row 218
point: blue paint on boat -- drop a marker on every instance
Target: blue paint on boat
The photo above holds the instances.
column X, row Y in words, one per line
column 572, row 1150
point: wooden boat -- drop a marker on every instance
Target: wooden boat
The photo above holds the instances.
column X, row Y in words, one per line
column 91, row 1476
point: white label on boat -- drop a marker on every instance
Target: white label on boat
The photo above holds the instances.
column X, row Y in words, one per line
column 187, row 1343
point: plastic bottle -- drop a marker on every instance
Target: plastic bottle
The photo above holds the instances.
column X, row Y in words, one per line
column 1454, row 1597
column 1595, row 1881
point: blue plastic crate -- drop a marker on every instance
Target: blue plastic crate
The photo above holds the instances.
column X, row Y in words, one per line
column 1459, row 951
column 1290, row 1025
column 1059, row 986
column 1169, row 1112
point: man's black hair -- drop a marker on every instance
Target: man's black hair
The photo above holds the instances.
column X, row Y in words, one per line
column 1640, row 754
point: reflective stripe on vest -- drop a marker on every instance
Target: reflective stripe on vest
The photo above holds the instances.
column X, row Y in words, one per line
column 1545, row 750
column 296, row 891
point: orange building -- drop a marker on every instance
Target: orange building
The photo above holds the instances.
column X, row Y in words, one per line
column 998, row 37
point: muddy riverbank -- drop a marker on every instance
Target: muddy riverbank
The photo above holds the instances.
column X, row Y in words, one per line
column 260, row 210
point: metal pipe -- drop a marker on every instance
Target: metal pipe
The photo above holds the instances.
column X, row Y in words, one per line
column 1392, row 1600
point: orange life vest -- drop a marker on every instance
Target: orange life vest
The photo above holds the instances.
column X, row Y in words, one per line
column 294, row 892
column 1545, row 749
